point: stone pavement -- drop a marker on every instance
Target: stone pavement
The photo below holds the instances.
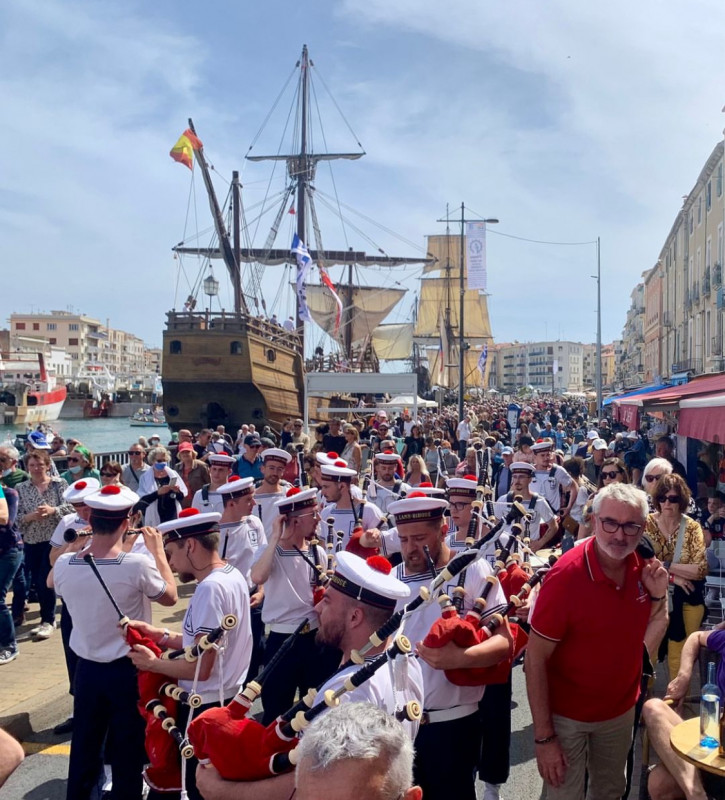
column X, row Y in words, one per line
column 34, row 689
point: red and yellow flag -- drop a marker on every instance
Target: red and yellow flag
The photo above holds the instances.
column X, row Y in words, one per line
column 183, row 150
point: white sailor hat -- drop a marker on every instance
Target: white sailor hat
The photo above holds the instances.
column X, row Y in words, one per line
column 296, row 500
column 191, row 522
column 328, row 458
column 78, row 490
column 337, row 471
column 522, row 466
column 368, row 580
column 427, row 488
column 541, row 445
column 112, row 501
column 387, row 455
column 38, row 440
column 462, row 487
column 221, row 460
column 593, row 434
column 236, row 486
column 417, row 507
column 275, row 454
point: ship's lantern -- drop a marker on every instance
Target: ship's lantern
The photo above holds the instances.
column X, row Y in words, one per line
column 211, row 285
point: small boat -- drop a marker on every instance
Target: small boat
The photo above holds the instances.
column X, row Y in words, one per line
column 146, row 418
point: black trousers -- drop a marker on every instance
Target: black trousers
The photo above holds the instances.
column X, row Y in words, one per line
column 257, row 643
column 105, row 702
column 71, row 659
column 306, row 666
column 495, row 714
column 446, row 757
column 37, row 559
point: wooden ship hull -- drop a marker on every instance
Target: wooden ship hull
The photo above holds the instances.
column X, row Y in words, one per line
column 228, row 369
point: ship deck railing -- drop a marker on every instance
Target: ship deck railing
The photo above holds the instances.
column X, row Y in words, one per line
column 233, row 323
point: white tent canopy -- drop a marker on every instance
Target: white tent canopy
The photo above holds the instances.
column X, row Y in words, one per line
column 408, row 401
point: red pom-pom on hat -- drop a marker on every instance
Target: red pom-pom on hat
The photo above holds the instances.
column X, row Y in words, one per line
column 417, row 494
column 379, row 563
column 233, row 478
column 426, row 485
column 340, row 463
column 469, row 478
column 188, row 512
column 292, row 491
column 112, row 489
column 388, row 453
column 80, row 485
column 333, row 454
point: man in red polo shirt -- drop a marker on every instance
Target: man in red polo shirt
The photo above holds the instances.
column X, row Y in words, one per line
column 597, row 608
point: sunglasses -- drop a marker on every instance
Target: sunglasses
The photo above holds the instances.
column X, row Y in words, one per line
column 254, row 446
column 610, row 475
column 135, row 452
column 651, row 478
column 107, row 474
column 669, row 498
column 74, row 460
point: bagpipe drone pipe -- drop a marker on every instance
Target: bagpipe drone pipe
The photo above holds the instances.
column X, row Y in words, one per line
column 353, row 545
column 242, row 749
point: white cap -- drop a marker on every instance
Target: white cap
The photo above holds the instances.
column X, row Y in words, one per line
column 633, row 435
column 296, row 499
column 387, row 455
column 275, row 454
column 593, row 434
column 113, row 499
column 599, row 444
column 427, row 488
column 542, row 444
column 522, row 466
column 368, row 580
column 79, row 490
column 328, row 458
column 221, row 460
column 417, row 507
column 462, row 487
column 237, row 486
column 337, row 471
column 191, row 522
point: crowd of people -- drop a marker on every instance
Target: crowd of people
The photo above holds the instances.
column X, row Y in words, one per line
column 325, row 533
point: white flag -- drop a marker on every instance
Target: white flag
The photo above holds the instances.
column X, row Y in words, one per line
column 304, row 262
column 476, row 255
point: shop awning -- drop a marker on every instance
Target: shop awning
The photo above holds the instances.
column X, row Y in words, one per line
column 635, row 394
column 703, row 418
column 670, row 397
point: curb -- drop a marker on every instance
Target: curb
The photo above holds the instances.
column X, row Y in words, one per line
column 38, row 716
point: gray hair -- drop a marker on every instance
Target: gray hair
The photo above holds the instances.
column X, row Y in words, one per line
column 359, row 731
column 158, row 451
column 622, row 493
column 657, row 463
column 10, row 451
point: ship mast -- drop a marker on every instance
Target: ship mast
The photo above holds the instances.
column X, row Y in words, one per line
column 303, row 179
column 228, row 254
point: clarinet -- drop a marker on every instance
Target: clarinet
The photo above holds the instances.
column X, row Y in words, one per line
column 192, row 652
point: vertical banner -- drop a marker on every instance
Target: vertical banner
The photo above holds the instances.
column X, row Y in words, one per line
column 304, row 262
column 476, row 255
column 482, row 359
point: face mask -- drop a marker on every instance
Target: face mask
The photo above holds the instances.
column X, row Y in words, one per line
column 160, row 465
column 446, row 451
column 75, row 470
column 6, row 472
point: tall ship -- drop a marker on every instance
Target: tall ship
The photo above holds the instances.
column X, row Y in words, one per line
column 245, row 365
column 28, row 390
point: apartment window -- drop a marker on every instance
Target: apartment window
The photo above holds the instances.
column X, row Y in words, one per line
column 19, row 326
column 36, row 326
column 718, row 180
column 692, row 224
column 72, row 342
column 73, row 326
column 699, row 209
column 708, row 195
column 52, row 340
column 175, row 347
column 50, row 326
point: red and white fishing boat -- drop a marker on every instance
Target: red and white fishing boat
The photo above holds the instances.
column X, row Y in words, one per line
column 28, row 390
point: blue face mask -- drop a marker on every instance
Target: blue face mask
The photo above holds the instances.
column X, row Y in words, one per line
column 76, row 469
column 160, row 465
column 6, row 472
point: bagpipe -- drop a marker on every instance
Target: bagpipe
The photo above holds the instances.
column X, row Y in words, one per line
column 242, row 749
column 158, row 698
column 321, row 577
column 302, row 474
column 442, row 471
column 353, row 545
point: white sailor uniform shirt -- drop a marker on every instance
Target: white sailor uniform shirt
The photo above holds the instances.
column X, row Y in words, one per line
column 345, row 519
column 264, row 507
column 382, row 497
column 440, row 693
column 68, row 522
column 239, row 541
column 288, row 592
column 541, row 512
column 381, row 690
column 547, row 484
column 132, row 580
column 223, row 591
column 213, row 502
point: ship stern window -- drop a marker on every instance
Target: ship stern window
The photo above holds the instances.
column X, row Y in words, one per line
column 235, row 348
column 175, row 347
column 271, row 355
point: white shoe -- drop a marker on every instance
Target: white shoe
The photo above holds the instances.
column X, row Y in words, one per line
column 34, row 631
column 45, row 630
column 490, row 791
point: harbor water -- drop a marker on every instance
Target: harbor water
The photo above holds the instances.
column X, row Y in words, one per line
column 99, row 435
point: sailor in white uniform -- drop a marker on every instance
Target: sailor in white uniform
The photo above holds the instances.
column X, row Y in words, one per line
column 336, row 479
column 271, row 488
column 386, row 488
column 220, row 468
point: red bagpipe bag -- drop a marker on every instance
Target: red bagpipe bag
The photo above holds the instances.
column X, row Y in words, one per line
column 512, row 579
column 353, row 546
column 240, row 748
column 462, row 632
column 164, row 770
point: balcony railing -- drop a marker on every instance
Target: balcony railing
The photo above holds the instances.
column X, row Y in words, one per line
column 688, row 298
column 706, row 283
column 695, row 292
column 716, row 275
column 716, row 347
column 693, row 365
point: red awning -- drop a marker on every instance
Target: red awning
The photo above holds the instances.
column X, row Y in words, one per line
column 707, row 384
column 703, row 418
column 629, row 416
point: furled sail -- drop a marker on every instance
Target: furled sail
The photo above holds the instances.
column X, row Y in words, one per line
column 370, row 306
column 471, row 373
column 436, row 293
column 393, row 342
column 446, row 250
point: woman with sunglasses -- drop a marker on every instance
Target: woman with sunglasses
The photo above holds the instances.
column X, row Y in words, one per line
column 80, row 465
column 111, row 473
column 352, row 452
column 680, row 544
column 613, row 471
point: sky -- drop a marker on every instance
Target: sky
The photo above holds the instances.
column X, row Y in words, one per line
column 565, row 120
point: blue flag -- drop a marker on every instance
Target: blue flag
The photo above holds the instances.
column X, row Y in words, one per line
column 482, row 359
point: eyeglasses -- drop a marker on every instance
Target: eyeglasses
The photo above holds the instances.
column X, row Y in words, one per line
column 107, row 474
column 628, row 528
column 135, row 452
column 669, row 498
column 254, row 446
column 611, row 475
column 296, row 425
column 459, row 506
column 651, row 478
